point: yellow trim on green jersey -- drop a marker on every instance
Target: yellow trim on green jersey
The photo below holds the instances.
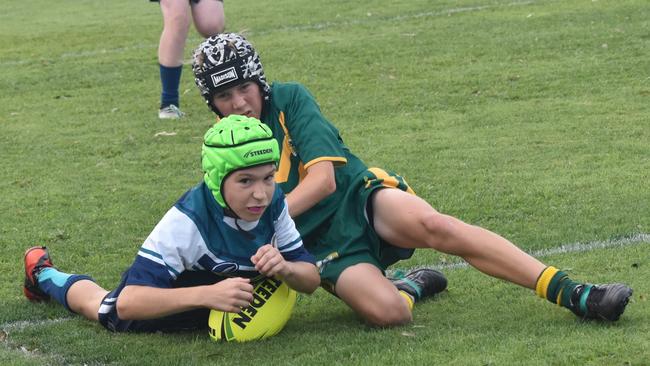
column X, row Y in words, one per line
column 307, row 137
column 336, row 160
column 388, row 180
column 284, row 167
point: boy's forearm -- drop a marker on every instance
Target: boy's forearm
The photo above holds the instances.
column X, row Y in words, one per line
column 144, row 302
column 317, row 185
column 302, row 277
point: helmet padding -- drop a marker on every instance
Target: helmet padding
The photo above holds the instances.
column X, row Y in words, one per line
column 236, row 142
column 223, row 61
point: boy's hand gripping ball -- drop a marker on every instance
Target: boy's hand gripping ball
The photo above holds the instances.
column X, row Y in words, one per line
column 267, row 314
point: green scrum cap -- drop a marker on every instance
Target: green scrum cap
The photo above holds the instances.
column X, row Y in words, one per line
column 233, row 143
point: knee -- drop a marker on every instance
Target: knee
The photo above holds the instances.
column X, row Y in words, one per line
column 389, row 313
column 438, row 229
column 209, row 26
column 210, row 29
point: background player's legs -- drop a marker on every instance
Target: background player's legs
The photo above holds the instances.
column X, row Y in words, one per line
column 209, row 18
column 176, row 24
column 408, row 221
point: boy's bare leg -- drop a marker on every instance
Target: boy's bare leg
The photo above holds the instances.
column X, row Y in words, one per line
column 85, row 297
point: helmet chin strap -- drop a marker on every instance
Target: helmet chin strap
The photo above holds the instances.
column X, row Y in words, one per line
column 245, row 233
column 230, row 213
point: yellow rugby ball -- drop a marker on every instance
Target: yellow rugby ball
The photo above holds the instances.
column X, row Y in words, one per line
column 267, row 314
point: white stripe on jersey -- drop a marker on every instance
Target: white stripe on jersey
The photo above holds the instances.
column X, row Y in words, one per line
column 177, row 239
column 177, row 245
column 293, row 247
column 151, row 257
column 285, row 231
column 237, row 224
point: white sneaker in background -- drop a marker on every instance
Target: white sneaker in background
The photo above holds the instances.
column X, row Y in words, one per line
column 170, row 112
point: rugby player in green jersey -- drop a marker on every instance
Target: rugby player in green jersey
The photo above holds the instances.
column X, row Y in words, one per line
column 357, row 220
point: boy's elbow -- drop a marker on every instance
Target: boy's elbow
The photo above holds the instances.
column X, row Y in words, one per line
column 306, row 281
column 330, row 186
column 124, row 306
column 312, row 287
column 313, row 283
column 123, row 309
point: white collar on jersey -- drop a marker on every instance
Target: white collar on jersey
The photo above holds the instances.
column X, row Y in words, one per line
column 243, row 224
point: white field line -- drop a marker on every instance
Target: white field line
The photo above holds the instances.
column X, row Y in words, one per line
column 33, row 354
column 82, row 54
column 22, row 324
column 397, row 18
column 634, row 239
column 631, row 240
column 317, row 26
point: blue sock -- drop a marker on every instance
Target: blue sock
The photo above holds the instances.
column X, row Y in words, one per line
column 170, row 78
column 56, row 284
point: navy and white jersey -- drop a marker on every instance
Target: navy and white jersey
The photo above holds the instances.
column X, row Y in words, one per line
column 195, row 235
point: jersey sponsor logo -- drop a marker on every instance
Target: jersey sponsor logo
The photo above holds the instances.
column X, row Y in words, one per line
column 217, row 267
column 262, row 293
column 252, row 153
column 226, row 267
column 224, row 77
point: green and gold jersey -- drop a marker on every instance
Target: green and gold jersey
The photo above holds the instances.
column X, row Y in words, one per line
column 307, row 137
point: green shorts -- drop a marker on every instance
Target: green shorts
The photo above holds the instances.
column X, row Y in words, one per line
column 348, row 237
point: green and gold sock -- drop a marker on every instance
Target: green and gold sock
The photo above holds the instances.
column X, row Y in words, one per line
column 556, row 286
column 409, row 299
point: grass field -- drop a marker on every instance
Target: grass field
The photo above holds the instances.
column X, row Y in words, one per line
column 530, row 118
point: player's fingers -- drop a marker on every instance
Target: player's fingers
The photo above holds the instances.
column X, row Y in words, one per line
column 273, row 255
column 261, row 252
column 236, row 280
column 247, row 288
column 263, row 264
column 271, row 272
column 236, row 307
column 240, row 298
column 264, row 249
column 272, row 266
column 243, row 302
column 239, row 284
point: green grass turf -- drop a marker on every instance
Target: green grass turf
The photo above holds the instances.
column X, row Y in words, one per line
column 528, row 118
